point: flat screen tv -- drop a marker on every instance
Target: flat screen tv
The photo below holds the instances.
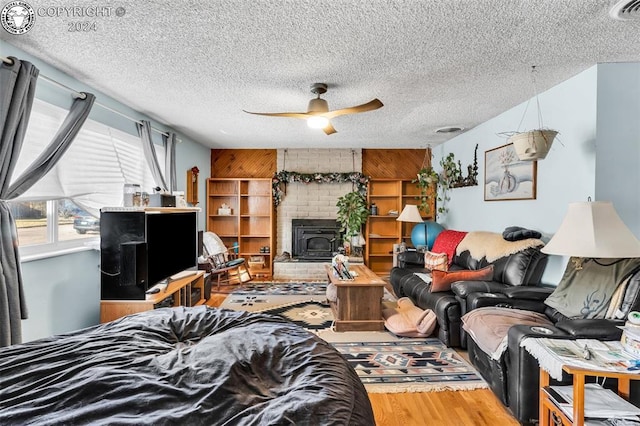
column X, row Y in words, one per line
column 140, row 249
column 172, row 244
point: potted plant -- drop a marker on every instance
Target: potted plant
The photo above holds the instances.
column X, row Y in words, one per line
column 426, row 182
column 534, row 144
column 352, row 213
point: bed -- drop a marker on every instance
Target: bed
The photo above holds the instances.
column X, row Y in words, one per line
column 195, row 366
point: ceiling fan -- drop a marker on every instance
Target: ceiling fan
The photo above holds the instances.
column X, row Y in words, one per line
column 318, row 115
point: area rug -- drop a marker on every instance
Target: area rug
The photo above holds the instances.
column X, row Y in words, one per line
column 384, row 362
column 279, row 288
column 408, row 365
column 310, row 314
column 258, row 297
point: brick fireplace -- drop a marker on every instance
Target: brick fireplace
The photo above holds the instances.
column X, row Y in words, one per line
column 309, row 201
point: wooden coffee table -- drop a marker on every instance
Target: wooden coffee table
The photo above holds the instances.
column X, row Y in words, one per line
column 359, row 304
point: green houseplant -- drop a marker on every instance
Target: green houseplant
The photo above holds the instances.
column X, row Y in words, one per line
column 426, row 182
column 352, row 213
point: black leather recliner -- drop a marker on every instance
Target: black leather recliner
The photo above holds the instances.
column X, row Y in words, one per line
column 523, row 268
column 514, row 378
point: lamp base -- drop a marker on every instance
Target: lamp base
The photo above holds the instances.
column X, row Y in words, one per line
column 578, row 262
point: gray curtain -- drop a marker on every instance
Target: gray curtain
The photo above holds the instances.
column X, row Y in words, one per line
column 170, row 160
column 18, row 82
column 144, row 130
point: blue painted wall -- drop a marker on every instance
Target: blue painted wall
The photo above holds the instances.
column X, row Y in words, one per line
column 596, row 155
column 618, row 140
column 63, row 292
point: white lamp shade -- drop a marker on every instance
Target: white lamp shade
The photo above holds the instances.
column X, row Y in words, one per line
column 410, row 213
column 594, row 230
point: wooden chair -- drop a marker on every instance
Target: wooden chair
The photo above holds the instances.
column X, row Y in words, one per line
column 226, row 266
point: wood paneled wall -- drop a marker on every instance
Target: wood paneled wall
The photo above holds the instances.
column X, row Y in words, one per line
column 243, row 163
column 262, row 163
column 394, row 163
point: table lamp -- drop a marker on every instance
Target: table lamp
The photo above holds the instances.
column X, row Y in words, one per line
column 592, row 230
column 410, row 213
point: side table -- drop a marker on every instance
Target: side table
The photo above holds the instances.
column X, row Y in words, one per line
column 550, row 412
column 547, row 352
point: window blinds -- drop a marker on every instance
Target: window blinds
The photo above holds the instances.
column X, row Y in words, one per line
column 93, row 170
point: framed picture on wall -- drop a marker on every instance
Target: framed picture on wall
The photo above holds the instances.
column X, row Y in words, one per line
column 506, row 177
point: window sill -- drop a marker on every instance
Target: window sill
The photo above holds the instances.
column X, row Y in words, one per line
column 29, row 254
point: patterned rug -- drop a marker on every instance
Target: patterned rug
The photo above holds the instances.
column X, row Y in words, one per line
column 280, row 289
column 409, row 365
column 311, row 315
column 385, row 363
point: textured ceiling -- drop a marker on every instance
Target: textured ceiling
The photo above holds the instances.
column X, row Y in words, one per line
column 195, row 65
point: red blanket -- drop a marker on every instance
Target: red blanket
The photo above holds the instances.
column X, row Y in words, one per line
column 447, row 241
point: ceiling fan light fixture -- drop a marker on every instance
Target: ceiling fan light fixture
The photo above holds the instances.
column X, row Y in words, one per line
column 318, row 105
column 318, row 115
column 317, row 122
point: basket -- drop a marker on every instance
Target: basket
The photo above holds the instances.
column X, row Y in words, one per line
column 257, row 262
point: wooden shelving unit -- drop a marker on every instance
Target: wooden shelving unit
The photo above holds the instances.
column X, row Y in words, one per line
column 250, row 224
column 383, row 230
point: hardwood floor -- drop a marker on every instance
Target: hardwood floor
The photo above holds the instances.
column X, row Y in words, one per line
column 450, row 408
column 477, row 407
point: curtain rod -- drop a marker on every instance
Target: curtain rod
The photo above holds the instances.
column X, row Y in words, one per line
column 81, row 95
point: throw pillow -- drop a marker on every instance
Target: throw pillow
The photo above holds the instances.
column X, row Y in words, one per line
column 437, row 261
column 517, row 233
column 442, row 280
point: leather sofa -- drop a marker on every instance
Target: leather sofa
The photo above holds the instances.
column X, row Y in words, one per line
column 514, row 377
column 523, row 268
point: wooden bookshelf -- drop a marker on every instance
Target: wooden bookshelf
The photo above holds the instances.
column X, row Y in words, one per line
column 251, row 223
column 383, row 230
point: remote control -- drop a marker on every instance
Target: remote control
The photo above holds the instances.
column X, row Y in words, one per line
column 153, row 290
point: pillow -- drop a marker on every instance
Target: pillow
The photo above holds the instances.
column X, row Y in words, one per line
column 517, row 233
column 436, row 261
column 442, row 280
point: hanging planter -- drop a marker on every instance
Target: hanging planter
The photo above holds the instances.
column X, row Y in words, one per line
column 533, row 145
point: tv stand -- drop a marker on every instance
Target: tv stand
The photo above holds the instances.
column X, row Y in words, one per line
column 176, row 293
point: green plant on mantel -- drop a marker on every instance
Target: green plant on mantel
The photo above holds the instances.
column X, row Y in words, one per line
column 352, row 213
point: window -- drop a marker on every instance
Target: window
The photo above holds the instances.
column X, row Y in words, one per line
column 62, row 209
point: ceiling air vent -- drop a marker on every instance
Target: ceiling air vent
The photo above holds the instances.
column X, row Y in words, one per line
column 625, row 9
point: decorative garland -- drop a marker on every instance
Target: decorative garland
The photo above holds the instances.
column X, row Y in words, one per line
column 283, row 177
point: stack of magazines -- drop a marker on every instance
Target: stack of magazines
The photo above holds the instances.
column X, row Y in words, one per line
column 599, row 403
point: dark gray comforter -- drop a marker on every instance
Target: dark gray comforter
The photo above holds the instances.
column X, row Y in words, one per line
column 183, row 366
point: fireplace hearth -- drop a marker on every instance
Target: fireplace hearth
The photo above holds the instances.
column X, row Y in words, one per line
column 315, row 239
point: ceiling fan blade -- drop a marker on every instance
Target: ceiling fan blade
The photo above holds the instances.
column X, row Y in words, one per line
column 329, row 129
column 302, row 115
column 369, row 106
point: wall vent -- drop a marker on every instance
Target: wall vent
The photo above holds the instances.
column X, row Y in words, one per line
column 625, row 9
